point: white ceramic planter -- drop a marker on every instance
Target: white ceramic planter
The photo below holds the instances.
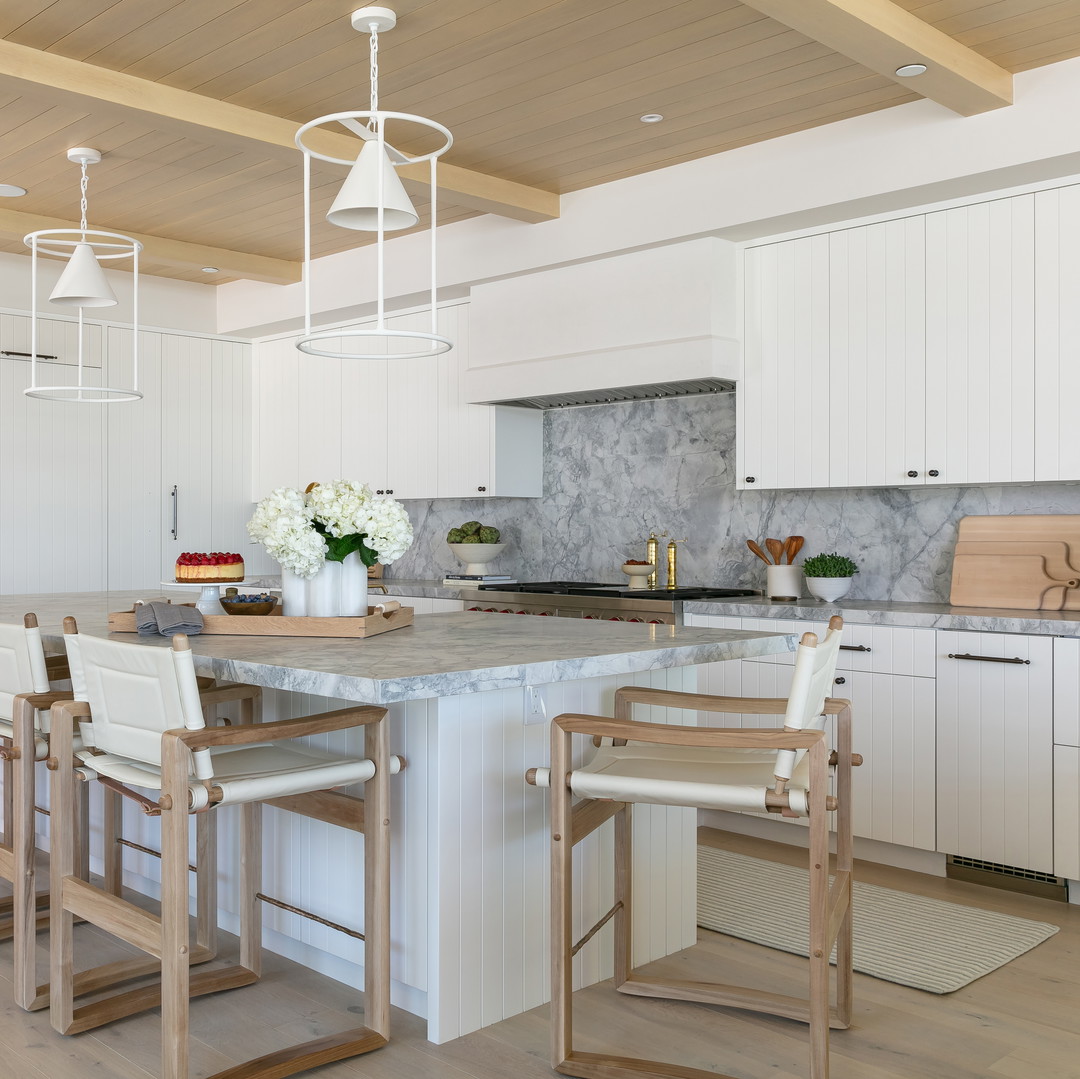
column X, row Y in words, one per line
column 828, row 588
column 783, row 582
column 338, row 590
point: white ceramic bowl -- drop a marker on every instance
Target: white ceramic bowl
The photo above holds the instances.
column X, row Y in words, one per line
column 476, row 555
column 828, row 588
column 637, row 574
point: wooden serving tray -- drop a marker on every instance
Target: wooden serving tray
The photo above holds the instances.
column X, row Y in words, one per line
column 277, row 625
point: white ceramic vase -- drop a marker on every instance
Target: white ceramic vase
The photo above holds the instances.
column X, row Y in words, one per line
column 828, row 588
column 338, row 590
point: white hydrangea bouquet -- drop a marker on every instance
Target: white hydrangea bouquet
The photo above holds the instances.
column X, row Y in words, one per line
column 326, row 523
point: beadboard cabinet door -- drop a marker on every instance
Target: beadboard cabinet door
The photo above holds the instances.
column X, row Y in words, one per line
column 52, row 485
column 783, row 403
column 1057, row 333
column 995, row 748
column 980, row 343
column 877, row 370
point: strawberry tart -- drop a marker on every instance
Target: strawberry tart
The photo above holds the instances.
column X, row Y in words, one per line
column 214, row 567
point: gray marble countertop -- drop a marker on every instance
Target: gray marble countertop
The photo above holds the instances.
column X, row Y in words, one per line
column 875, row 612
column 440, row 655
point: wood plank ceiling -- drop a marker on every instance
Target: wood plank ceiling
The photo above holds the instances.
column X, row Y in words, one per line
column 543, row 93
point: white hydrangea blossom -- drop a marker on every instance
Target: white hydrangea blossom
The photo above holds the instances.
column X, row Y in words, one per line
column 283, row 523
column 342, row 506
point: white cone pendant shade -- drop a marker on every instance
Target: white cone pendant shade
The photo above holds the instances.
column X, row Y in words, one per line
column 357, row 203
column 83, row 284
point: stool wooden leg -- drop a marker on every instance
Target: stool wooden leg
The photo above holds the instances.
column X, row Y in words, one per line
column 562, row 858
column 377, row 881
column 819, row 915
column 844, row 864
column 82, row 830
column 61, row 866
column 9, row 801
column 624, row 922
column 112, row 829
column 24, row 852
column 175, row 944
column 206, row 880
column 250, row 886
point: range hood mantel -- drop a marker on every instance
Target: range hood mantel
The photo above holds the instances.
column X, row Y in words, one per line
column 649, row 392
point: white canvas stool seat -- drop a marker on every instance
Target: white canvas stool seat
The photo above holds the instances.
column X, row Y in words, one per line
column 147, row 732
column 782, row 770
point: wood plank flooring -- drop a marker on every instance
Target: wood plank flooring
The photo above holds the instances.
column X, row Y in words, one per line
column 1019, row 1022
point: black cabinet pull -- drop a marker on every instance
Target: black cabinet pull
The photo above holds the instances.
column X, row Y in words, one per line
column 26, row 355
column 840, row 681
column 481, row 488
column 750, row 479
column 987, row 659
column 389, row 490
column 175, row 512
column 380, row 492
column 912, row 474
column 854, row 648
column 933, row 472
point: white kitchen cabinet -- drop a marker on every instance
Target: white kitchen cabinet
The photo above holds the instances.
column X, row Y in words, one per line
column 980, row 343
column 401, row 425
column 52, row 485
column 995, row 737
column 1067, row 812
column 783, row 400
column 1057, row 333
column 877, row 371
column 58, row 343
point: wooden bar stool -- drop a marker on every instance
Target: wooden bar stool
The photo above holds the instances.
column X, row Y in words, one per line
column 28, row 689
column 149, row 732
column 778, row 771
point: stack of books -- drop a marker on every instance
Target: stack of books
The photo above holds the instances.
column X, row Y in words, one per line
column 455, row 580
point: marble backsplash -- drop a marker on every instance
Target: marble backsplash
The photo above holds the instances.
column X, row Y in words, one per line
column 613, row 473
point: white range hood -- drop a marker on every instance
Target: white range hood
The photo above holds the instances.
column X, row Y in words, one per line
column 651, row 323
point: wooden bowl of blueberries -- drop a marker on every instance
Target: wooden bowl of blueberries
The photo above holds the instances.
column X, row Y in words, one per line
column 235, row 603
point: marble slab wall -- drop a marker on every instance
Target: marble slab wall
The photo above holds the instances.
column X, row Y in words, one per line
column 613, row 473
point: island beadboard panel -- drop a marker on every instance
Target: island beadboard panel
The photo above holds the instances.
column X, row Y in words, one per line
column 489, row 849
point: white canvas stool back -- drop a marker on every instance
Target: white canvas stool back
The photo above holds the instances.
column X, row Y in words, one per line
column 22, row 667
column 779, row 770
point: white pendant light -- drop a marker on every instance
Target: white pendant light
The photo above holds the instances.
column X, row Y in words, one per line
column 373, row 199
column 357, row 203
column 83, row 284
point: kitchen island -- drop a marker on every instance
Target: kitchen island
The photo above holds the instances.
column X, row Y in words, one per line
column 469, row 697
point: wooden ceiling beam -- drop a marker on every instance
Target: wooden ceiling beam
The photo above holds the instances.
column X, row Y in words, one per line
column 162, row 249
column 182, row 109
column 883, row 36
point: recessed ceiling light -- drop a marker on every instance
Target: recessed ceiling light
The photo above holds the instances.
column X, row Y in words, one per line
column 10, row 191
column 210, row 269
column 652, row 118
column 908, row 71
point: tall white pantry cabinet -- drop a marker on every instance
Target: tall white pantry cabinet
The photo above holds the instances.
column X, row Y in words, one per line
column 88, row 489
column 933, row 349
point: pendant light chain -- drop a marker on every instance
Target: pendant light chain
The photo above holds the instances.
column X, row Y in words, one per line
column 373, row 52
column 83, row 183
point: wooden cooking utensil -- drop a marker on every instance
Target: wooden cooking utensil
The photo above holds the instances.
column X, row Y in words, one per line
column 758, row 551
column 792, row 546
column 775, row 548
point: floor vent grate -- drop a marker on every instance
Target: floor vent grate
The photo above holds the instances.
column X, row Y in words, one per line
column 1010, row 877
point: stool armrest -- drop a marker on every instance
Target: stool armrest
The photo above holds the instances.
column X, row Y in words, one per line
column 669, row 734
column 45, row 700
column 836, row 706
column 257, row 733
column 701, row 702
column 67, row 707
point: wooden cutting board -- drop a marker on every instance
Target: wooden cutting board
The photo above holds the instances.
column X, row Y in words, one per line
column 1053, row 527
column 1017, row 581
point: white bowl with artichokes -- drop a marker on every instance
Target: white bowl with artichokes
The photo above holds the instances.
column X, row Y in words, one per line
column 475, row 544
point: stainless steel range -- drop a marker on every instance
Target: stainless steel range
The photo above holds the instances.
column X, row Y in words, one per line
column 573, row 599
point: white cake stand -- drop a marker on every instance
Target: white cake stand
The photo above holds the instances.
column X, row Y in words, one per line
column 209, row 601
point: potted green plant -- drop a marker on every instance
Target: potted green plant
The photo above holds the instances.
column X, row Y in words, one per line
column 828, row 576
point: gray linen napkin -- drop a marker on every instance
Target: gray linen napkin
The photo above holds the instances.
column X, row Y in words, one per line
column 167, row 619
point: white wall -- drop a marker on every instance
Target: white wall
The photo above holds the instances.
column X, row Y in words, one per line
column 905, row 156
column 163, row 303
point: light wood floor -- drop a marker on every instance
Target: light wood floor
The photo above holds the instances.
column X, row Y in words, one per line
column 1020, row 1022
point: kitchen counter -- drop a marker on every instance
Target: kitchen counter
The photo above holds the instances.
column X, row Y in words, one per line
column 440, row 655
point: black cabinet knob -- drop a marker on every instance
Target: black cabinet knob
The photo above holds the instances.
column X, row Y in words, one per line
column 750, row 479
column 840, row 681
column 912, row 474
column 389, row 490
column 933, row 472
column 481, row 488
column 380, row 492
